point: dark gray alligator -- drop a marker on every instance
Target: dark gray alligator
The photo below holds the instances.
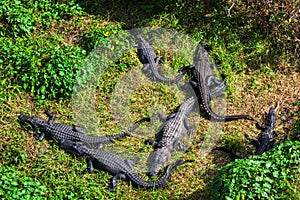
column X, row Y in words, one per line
column 202, row 80
column 62, row 131
column 120, row 169
column 174, row 128
column 150, row 62
column 265, row 139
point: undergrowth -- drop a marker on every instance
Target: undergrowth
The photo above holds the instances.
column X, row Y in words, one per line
column 14, row 185
column 268, row 176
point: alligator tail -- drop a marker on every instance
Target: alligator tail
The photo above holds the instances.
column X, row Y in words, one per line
column 225, row 118
column 110, row 138
column 262, row 148
column 163, row 79
column 161, row 182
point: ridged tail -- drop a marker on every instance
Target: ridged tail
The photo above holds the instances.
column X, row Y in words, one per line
column 110, row 138
column 225, row 118
column 236, row 117
column 161, row 182
column 218, row 118
column 163, row 79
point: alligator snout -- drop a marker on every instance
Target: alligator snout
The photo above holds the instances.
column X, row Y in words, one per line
column 22, row 118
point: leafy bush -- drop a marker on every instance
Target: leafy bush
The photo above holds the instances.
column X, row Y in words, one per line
column 39, row 62
column 17, row 186
column 267, row 176
column 46, row 70
column 19, row 18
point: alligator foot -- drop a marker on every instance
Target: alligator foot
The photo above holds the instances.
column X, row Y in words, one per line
column 150, row 142
column 39, row 137
column 114, row 181
column 186, row 68
column 150, row 174
column 50, row 116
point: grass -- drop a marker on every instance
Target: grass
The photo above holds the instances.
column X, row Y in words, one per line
column 260, row 70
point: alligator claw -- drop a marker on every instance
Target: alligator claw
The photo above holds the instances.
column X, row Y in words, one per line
column 247, row 136
column 150, row 174
column 47, row 112
column 149, row 142
column 185, row 68
column 110, row 189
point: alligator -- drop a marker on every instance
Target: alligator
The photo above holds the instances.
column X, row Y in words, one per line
column 202, row 79
column 62, row 131
column 169, row 137
column 120, row 169
column 265, row 139
column 150, row 61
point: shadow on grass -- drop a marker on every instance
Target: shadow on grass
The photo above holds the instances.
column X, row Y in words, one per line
column 132, row 14
column 208, row 21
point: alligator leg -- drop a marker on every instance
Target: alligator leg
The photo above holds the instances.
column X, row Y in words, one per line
column 160, row 60
column 50, row 116
column 190, row 132
column 79, row 129
column 146, row 68
column 271, row 145
column 190, row 128
column 275, row 133
column 185, row 86
column 259, row 127
column 211, row 79
column 186, row 68
column 162, row 117
column 114, row 181
column 39, row 137
column 178, row 143
column 150, row 142
column 129, row 162
column 187, row 124
column 35, row 127
column 90, row 167
column 256, row 143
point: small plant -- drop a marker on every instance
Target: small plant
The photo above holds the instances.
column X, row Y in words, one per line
column 92, row 38
column 16, row 186
column 17, row 19
column 268, row 176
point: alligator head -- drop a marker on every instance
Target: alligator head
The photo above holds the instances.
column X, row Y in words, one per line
column 35, row 122
column 157, row 159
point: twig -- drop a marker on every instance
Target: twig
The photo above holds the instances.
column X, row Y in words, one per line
column 228, row 11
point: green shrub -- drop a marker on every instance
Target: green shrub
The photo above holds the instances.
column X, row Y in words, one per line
column 17, row 186
column 268, row 176
column 39, row 62
column 16, row 18
column 20, row 18
column 46, row 70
